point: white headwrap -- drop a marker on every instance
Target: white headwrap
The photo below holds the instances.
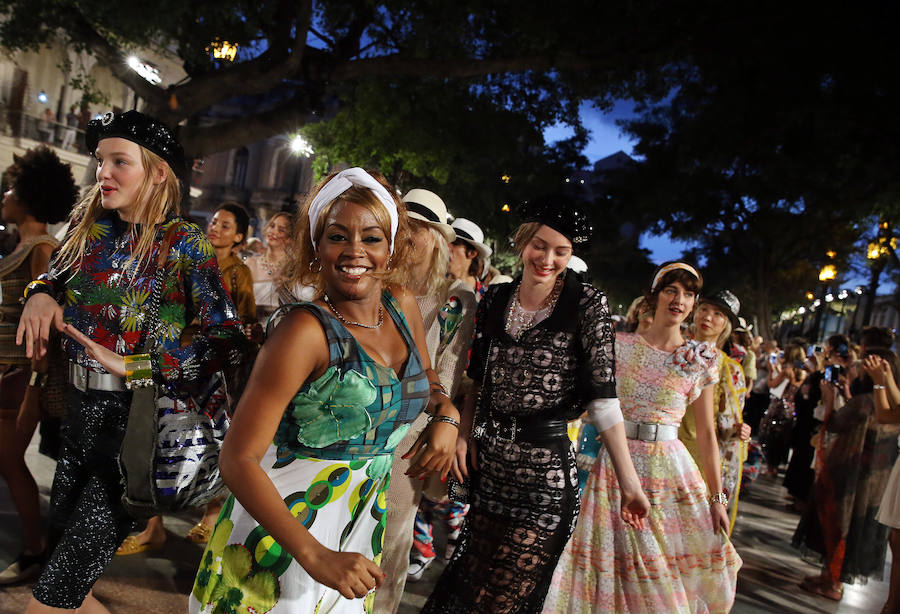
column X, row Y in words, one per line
column 672, row 267
column 339, row 184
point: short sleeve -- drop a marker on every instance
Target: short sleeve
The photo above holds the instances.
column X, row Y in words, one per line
column 598, row 342
column 707, row 373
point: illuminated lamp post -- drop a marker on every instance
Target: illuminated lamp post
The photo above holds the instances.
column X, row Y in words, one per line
column 299, row 147
column 826, row 276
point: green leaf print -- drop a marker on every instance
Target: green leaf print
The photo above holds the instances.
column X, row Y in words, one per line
column 240, row 592
column 333, row 409
column 209, row 574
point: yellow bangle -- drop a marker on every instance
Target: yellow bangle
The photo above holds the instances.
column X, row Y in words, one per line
column 35, row 284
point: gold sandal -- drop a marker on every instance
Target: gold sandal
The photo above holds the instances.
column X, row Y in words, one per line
column 199, row 533
column 130, row 545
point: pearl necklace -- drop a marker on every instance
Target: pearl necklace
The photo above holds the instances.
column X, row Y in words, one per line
column 351, row 322
column 525, row 319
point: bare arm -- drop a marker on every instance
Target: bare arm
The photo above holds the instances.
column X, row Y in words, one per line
column 437, row 443
column 635, row 505
column 296, row 352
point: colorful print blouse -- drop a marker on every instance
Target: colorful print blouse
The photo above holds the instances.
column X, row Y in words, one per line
column 108, row 302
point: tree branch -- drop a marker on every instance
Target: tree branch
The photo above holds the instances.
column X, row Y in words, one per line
column 256, row 76
column 397, row 65
column 82, row 31
column 200, row 141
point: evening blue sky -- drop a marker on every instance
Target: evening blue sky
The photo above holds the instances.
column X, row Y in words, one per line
column 607, row 138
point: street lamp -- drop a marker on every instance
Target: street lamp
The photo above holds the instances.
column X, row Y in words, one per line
column 877, row 252
column 299, row 147
column 827, row 274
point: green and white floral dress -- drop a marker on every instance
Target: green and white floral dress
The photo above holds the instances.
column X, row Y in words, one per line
column 330, row 462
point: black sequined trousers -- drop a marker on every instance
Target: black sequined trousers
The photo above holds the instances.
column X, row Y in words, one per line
column 86, row 512
column 524, row 503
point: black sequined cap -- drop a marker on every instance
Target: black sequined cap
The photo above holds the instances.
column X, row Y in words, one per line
column 562, row 214
column 141, row 129
column 728, row 302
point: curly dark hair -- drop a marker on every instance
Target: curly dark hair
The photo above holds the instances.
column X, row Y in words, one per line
column 43, row 184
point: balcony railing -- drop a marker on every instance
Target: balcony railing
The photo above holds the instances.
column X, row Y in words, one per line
column 38, row 128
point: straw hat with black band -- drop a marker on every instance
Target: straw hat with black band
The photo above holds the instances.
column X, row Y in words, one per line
column 469, row 232
column 427, row 206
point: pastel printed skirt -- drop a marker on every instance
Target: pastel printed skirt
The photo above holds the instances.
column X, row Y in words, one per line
column 677, row 564
column 341, row 502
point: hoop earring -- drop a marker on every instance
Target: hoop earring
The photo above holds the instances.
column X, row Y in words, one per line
column 313, row 261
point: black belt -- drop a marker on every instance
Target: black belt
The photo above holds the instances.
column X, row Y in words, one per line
column 530, row 429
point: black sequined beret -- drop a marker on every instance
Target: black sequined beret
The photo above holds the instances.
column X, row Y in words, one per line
column 141, row 129
column 561, row 213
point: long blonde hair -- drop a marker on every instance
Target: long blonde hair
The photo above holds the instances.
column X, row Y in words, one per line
column 300, row 270
column 438, row 263
column 153, row 202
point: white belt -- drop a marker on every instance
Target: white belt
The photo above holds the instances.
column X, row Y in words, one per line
column 84, row 379
column 650, row 432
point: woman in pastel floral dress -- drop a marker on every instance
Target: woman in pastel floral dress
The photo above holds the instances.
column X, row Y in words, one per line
column 333, row 391
column 682, row 561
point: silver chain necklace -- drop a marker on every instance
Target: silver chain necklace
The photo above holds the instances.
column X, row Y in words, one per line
column 351, row 322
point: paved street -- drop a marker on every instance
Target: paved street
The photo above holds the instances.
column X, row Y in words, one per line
column 158, row 582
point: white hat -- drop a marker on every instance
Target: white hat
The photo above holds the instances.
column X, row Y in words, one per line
column 469, row 232
column 428, row 207
column 577, row 264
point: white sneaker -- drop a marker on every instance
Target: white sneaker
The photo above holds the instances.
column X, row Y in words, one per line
column 417, row 567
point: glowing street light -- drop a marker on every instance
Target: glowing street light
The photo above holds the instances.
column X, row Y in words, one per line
column 828, row 273
column 223, row 50
column 148, row 71
column 817, row 302
column 829, row 297
column 801, row 311
column 42, row 97
column 810, row 296
column 505, row 208
column 505, row 178
column 843, row 294
column 301, row 147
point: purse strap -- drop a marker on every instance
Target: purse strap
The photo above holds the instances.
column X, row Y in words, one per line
column 152, row 305
column 479, row 427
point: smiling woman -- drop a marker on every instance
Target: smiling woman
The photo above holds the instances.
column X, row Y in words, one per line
column 333, row 392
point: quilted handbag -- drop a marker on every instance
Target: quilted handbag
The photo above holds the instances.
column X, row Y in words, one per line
column 169, row 458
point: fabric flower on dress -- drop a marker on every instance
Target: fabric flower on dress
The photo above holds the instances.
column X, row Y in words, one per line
column 333, row 408
column 692, row 357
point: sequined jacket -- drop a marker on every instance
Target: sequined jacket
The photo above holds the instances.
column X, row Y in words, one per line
column 555, row 368
column 109, row 303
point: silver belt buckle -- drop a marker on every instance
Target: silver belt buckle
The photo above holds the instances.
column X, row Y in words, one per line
column 79, row 376
column 648, row 432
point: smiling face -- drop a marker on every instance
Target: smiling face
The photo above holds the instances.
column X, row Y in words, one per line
column 278, row 232
column 674, row 304
column 354, row 250
column 546, row 255
column 710, row 321
column 222, row 230
column 121, row 175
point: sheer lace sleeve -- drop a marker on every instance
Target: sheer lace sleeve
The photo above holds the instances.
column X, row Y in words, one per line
column 480, row 341
column 598, row 342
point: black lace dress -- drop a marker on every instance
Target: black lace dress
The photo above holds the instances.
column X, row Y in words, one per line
column 524, row 496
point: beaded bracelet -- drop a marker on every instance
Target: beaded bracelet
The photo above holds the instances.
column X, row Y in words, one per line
column 138, row 371
column 879, row 387
column 30, row 288
column 719, row 497
column 446, row 419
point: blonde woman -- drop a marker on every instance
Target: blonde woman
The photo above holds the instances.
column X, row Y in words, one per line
column 267, row 267
column 448, row 311
column 96, row 293
column 712, row 325
column 333, row 392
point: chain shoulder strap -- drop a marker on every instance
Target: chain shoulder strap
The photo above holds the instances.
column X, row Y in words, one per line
column 480, row 425
column 159, row 278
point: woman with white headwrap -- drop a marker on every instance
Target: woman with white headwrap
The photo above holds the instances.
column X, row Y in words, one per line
column 333, row 391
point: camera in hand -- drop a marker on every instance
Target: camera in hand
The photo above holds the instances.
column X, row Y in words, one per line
column 833, row 372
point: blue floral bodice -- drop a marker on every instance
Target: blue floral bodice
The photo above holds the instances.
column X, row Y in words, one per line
column 357, row 408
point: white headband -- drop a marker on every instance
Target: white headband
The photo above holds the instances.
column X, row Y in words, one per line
column 339, row 184
column 673, row 267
